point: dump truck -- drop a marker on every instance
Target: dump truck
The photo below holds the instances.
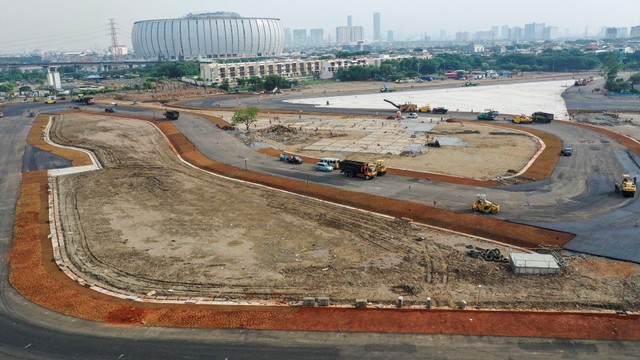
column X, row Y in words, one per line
column 542, row 117
column 439, row 110
column 425, row 109
column 627, row 186
column 522, row 119
column 406, row 107
column 483, row 205
column 171, row 115
column 352, row 168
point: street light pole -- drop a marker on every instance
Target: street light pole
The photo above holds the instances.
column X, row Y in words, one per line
column 478, row 297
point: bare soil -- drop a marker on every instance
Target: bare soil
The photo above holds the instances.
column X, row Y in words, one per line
column 482, row 151
column 150, row 223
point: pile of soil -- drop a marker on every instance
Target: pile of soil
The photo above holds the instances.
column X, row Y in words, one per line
column 286, row 135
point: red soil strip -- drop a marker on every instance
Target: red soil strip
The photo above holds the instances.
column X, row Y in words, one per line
column 35, row 276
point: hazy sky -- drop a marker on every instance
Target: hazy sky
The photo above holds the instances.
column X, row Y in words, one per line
column 71, row 25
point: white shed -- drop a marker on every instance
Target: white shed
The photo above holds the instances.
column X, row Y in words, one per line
column 537, row 264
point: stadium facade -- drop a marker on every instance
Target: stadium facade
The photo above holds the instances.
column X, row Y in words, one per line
column 208, row 36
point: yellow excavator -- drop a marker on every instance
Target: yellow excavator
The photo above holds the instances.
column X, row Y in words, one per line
column 627, row 186
column 406, row 107
column 483, row 205
column 522, row 119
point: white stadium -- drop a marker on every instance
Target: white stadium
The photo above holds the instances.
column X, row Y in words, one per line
column 208, row 36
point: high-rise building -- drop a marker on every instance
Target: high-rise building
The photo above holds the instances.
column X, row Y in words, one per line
column 349, row 21
column 463, row 36
column 623, row 32
column 390, row 36
column 376, row 27
column 551, row 33
column 534, row 31
column 288, row 39
column 635, row 31
column 300, row 37
column 611, row 33
column 504, row 33
column 316, row 37
column 495, row 30
column 443, row 34
column 515, row 33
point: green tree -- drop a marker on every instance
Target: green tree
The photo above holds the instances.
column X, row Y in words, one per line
column 24, row 88
column 611, row 66
column 6, row 87
column 245, row 116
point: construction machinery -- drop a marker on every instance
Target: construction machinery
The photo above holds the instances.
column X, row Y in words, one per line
column 291, row 159
column 386, row 88
column 406, row 107
column 542, row 117
column 352, row 168
column 483, row 205
column 488, row 114
column 522, row 119
column 433, row 142
column 381, row 168
column 627, row 186
column 425, row 109
column 171, row 115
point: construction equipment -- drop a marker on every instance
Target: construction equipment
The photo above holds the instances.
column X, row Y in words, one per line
column 433, row 142
column 488, row 114
column 291, row 159
column 171, row 115
column 483, row 205
column 352, row 168
column 627, row 186
column 542, row 117
column 381, row 168
column 386, row 88
column 406, row 107
column 439, row 110
column 425, row 109
column 522, row 119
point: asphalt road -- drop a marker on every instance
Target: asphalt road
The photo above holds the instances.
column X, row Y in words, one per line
column 30, row 332
column 587, row 98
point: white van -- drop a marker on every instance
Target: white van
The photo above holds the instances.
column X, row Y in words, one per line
column 333, row 162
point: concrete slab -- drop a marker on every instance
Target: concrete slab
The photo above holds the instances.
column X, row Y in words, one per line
column 507, row 98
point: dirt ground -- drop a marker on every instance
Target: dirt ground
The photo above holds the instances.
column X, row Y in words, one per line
column 147, row 223
column 624, row 123
column 480, row 151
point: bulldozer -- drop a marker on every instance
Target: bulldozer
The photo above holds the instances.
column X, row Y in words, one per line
column 406, row 107
column 483, row 205
column 627, row 186
column 425, row 109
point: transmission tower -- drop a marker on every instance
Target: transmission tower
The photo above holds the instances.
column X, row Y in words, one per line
column 113, row 31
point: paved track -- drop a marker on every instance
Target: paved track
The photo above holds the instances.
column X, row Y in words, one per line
column 30, row 332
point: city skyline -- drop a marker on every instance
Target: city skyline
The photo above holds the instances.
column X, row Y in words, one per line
column 85, row 26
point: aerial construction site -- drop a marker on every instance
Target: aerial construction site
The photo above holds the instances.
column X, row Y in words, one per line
column 182, row 211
